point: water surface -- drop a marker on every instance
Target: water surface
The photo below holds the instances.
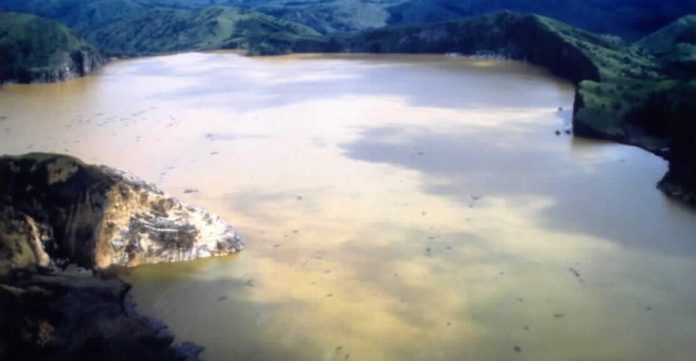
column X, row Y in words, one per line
column 394, row 208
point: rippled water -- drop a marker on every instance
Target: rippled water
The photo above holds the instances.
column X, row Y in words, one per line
column 394, row 208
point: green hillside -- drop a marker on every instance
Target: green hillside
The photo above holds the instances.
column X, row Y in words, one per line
column 81, row 16
column 170, row 30
column 676, row 45
column 630, row 19
column 566, row 51
column 35, row 49
column 330, row 17
column 664, row 40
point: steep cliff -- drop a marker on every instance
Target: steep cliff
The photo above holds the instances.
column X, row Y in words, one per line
column 33, row 49
column 66, row 230
column 98, row 217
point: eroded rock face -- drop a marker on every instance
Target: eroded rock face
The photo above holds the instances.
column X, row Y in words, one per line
column 99, row 217
column 141, row 224
column 22, row 242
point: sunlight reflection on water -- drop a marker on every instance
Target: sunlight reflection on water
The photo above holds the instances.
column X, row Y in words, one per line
column 394, row 207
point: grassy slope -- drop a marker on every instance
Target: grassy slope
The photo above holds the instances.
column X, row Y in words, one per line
column 675, row 45
column 140, row 27
column 79, row 15
column 168, row 30
column 647, row 102
column 333, row 16
column 36, row 49
column 627, row 18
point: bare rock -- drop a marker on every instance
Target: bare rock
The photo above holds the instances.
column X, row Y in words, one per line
column 99, row 217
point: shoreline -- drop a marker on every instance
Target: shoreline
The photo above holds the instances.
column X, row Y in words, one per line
column 657, row 146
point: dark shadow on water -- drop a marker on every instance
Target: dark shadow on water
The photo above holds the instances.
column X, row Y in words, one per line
column 612, row 197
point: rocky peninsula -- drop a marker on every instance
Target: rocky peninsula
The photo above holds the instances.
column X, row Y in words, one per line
column 66, row 230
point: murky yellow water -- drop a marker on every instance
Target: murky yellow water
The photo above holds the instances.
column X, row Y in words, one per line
column 394, row 208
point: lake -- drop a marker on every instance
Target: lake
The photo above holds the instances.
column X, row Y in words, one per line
column 394, row 207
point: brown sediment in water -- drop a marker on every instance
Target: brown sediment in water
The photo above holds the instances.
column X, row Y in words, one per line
column 428, row 193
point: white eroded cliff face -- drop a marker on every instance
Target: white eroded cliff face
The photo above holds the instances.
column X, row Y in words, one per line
column 98, row 217
column 141, row 224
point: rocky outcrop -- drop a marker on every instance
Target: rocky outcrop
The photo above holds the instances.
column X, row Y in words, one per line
column 64, row 225
column 71, row 65
column 98, row 217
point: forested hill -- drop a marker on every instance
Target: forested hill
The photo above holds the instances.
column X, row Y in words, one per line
column 36, row 49
column 169, row 30
column 630, row 19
